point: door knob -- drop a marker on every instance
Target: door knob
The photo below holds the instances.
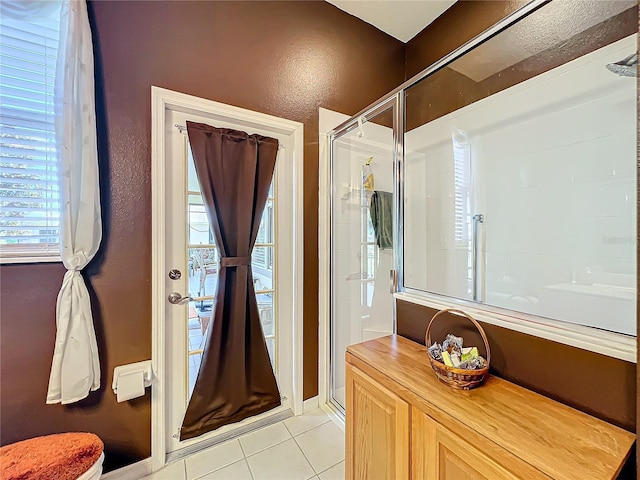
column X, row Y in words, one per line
column 177, row 299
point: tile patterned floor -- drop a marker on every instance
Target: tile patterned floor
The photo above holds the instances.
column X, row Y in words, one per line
column 307, row 447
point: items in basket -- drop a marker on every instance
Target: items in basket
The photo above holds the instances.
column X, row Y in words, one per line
column 452, row 344
column 453, row 354
column 435, row 351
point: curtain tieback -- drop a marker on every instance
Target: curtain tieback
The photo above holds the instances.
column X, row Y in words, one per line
column 235, row 261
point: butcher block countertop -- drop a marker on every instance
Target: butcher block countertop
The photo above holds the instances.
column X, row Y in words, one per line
column 551, row 437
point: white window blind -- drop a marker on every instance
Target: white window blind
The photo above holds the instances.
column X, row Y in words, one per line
column 262, row 256
column 461, row 177
column 29, row 198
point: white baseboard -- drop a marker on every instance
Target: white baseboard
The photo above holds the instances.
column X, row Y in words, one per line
column 310, row 404
column 134, row 471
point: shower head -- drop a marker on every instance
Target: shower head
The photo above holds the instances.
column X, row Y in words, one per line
column 627, row 67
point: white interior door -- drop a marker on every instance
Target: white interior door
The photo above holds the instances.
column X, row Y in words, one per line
column 191, row 266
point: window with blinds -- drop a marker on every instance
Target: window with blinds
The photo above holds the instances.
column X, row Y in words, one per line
column 263, row 257
column 462, row 188
column 29, row 192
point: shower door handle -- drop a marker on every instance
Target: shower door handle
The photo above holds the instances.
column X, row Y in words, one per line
column 477, row 219
column 393, row 281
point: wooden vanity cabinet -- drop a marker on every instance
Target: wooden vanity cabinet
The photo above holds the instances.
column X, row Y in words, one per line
column 380, row 423
column 402, row 423
column 438, row 453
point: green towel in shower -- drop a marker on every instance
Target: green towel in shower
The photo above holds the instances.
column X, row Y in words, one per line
column 381, row 211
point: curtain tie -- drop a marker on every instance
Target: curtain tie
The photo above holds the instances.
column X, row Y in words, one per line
column 235, row 261
column 76, row 261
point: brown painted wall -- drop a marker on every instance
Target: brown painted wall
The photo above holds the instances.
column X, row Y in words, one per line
column 281, row 58
column 638, row 279
column 459, row 24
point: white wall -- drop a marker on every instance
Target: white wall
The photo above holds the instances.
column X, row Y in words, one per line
column 555, row 166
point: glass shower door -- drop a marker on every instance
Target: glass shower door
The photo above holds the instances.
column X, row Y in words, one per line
column 361, row 238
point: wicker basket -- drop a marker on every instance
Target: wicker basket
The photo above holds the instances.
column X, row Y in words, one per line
column 458, row 377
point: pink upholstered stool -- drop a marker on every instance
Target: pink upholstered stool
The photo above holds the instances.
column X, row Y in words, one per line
column 64, row 456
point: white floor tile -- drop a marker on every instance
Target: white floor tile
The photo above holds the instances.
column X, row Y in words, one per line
column 173, row 471
column 266, row 437
column 213, row 458
column 284, row 461
column 302, row 423
column 323, row 446
column 235, row 471
column 334, row 473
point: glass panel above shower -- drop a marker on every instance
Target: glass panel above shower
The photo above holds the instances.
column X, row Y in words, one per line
column 520, row 169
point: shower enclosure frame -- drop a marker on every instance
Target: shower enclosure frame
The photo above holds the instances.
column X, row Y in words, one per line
column 393, row 102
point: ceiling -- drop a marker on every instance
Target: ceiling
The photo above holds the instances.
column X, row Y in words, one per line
column 401, row 19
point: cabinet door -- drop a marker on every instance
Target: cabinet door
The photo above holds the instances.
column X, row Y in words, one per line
column 377, row 440
column 440, row 454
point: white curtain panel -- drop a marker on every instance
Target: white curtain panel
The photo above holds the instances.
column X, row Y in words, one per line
column 75, row 370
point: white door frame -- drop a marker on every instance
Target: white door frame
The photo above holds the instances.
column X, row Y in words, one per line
column 162, row 101
column 328, row 120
